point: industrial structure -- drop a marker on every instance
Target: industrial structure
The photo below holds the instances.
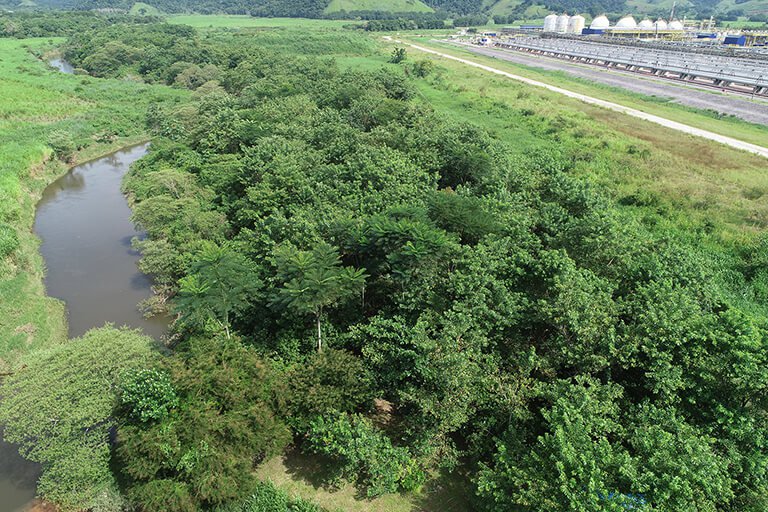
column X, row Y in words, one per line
column 646, row 29
column 723, row 72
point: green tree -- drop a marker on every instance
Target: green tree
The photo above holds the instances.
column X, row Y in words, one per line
column 147, row 394
column 314, row 281
column 398, row 55
column 219, row 284
column 59, row 409
column 202, row 454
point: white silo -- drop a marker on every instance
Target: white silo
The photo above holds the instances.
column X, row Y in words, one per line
column 646, row 24
column 600, row 23
column 550, row 22
column 660, row 25
column 627, row 23
column 576, row 24
column 562, row 23
column 675, row 25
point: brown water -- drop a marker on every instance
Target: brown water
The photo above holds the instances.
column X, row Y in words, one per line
column 84, row 223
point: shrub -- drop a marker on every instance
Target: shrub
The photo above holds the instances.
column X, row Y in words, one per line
column 147, row 395
column 363, row 453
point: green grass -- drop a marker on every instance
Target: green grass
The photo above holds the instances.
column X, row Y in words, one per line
column 237, row 21
column 696, row 184
column 37, row 101
column 724, row 125
column 300, row 475
column 377, row 5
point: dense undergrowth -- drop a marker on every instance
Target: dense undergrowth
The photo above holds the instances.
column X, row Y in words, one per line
column 333, row 247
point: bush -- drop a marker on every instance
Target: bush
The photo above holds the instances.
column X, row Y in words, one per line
column 364, row 454
column 74, row 383
column 63, row 145
column 267, row 498
column 147, row 395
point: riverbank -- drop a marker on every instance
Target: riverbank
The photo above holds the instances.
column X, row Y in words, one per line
column 50, row 123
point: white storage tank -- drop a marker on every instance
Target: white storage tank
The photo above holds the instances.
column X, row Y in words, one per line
column 550, row 22
column 660, row 25
column 600, row 23
column 562, row 23
column 646, row 24
column 626, row 23
column 576, row 24
column 675, row 25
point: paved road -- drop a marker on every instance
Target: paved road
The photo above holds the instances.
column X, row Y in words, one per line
column 734, row 143
column 754, row 111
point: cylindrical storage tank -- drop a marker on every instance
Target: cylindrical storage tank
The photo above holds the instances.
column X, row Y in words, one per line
column 645, row 24
column 675, row 25
column 576, row 24
column 562, row 23
column 550, row 22
column 627, row 23
column 660, row 25
column 600, row 23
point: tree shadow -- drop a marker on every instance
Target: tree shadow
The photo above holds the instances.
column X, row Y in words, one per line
column 312, row 470
column 449, row 492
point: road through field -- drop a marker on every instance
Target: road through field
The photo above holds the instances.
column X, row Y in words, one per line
column 728, row 141
column 754, row 111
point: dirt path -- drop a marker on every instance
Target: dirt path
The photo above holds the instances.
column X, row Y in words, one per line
column 728, row 141
column 754, row 111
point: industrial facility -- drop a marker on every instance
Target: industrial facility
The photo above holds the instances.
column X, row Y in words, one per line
column 694, row 52
column 659, row 29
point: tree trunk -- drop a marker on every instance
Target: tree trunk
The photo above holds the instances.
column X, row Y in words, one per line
column 319, row 333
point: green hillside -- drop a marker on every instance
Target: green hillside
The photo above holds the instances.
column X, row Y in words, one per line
column 142, row 9
column 377, row 5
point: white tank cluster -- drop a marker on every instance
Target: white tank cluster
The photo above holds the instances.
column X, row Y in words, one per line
column 565, row 24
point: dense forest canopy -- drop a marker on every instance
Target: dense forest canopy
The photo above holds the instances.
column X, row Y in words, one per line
column 332, row 247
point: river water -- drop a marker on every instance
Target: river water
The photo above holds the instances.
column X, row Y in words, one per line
column 84, row 223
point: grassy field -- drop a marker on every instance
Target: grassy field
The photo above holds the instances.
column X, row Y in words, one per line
column 695, row 183
column 377, row 5
column 96, row 115
column 711, row 121
column 237, row 21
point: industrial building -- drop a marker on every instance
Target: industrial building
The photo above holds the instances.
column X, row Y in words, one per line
column 723, row 72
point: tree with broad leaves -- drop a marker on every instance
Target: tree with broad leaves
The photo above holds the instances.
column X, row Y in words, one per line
column 314, row 281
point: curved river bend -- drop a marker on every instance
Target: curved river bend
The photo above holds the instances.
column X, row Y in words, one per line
column 84, row 223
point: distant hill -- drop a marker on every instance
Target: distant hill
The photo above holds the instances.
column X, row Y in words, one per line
column 377, row 5
column 721, row 9
column 510, row 9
